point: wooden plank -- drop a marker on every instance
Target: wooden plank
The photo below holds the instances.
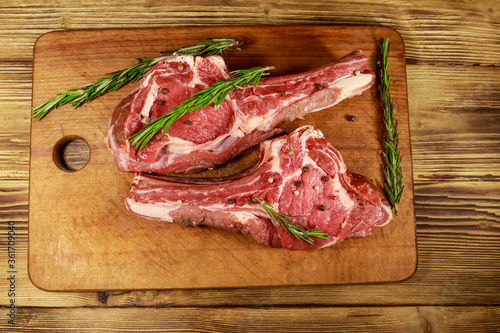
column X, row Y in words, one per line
column 78, row 221
column 434, row 32
column 263, row 318
column 454, row 214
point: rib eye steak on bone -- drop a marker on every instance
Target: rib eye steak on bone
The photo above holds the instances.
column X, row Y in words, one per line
column 211, row 136
column 301, row 175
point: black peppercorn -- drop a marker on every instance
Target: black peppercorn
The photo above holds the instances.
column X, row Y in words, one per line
column 189, row 122
column 164, row 91
column 160, row 102
column 283, row 93
column 305, row 169
column 319, row 86
column 322, row 208
column 352, row 118
column 298, row 183
column 325, row 178
column 230, row 201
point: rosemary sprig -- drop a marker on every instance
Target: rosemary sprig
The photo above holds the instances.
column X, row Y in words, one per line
column 213, row 94
column 301, row 232
column 393, row 181
column 116, row 80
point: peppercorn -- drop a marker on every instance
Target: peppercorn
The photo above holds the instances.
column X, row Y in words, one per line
column 325, row 179
column 283, row 93
column 322, row 208
column 160, row 102
column 230, row 201
column 189, row 122
column 319, row 86
column 352, row 118
column 290, row 151
column 305, row 169
column 298, row 183
column 164, row 91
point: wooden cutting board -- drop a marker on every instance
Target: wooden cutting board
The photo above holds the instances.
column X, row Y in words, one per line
column 81, row 236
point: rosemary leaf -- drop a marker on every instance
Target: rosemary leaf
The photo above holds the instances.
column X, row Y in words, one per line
column 213, row 94
column 299, row 231
column 393, row 176
column 116, row 80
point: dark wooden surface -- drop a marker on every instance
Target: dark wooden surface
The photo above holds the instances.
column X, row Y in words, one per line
column 452, row 55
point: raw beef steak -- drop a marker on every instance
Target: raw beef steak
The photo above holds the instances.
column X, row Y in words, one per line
column 300, row 175
column 211, row 136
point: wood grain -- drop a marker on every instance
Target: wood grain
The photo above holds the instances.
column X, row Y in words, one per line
column 467, row 288
column 458, row 264
column 263, row 318
column 453, row 56
column 78, row 221
column 458, row 32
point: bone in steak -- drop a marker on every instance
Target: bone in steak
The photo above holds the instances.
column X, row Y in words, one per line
column 312, row 184
column 211, row 136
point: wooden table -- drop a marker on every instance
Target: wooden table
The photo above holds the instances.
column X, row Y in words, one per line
column 453, row 77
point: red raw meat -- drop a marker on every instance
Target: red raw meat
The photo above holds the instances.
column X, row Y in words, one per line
column 211, row 136
column 340, row 203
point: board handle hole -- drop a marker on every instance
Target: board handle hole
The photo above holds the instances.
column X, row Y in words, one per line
column 71, row 153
